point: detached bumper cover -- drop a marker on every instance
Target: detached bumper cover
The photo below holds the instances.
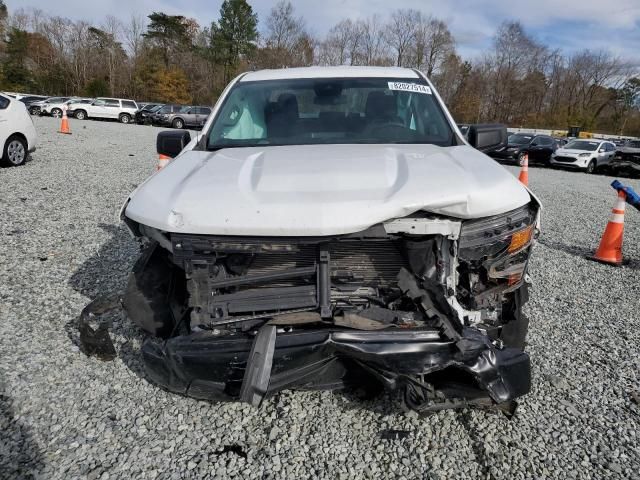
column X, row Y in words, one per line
column 211, row 367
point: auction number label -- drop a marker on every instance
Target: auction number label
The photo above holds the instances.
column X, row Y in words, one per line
column 409, row 87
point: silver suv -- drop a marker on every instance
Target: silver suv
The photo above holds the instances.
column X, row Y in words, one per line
column 190, row 116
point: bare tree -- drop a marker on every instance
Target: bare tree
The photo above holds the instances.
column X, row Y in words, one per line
column 285, row 41
column 401, row 34
column 132, row 33
column 439, row 45
column 374, row 49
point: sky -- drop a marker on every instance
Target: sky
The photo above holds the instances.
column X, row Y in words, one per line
column 570, row 25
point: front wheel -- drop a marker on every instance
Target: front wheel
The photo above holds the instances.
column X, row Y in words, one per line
column 125, row 118
column 34, row 111
column 177, row 123
column 15, row 152
column 81, row 115
column 591, row 168
column 56, row 113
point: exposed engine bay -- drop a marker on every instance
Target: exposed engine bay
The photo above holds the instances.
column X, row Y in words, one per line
column 425, row 304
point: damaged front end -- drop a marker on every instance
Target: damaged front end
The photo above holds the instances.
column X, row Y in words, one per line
column 426, row 305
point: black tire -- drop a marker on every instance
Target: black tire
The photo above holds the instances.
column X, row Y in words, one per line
column 124, row 118
column 592, row 167
column 177, row 123
column 80, row 115
column 14, row 152
column 56, row 113
column 34, row 110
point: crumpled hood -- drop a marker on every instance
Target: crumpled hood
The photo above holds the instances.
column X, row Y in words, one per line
column 320, row 189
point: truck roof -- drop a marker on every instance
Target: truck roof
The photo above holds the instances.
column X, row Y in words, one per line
column 329, row 72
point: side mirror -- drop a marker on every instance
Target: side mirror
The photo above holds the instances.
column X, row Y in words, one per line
column 488, row 136
column 171, row 142
column 602, row 150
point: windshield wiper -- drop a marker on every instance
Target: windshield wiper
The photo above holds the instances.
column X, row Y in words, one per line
column 215, row 148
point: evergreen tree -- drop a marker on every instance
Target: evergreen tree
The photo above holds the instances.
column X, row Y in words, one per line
column 168, row 33
column 16, row 75
column 234, row 37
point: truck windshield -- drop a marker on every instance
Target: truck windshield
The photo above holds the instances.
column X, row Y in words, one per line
column 329, row 111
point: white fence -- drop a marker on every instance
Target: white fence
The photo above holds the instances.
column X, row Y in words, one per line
column 562, row 133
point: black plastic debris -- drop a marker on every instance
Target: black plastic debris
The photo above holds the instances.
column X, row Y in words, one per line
column 94, row 334
column 233, row 448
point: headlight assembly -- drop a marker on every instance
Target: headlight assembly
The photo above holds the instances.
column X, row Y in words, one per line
column 496, row 248
column 584, row 155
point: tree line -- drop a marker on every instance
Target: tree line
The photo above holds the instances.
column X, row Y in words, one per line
column 170, row 58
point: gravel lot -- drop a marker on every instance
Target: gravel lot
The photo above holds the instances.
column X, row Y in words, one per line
column 63, row 415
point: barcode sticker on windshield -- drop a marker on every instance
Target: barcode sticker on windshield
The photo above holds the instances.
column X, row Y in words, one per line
column 409, row 87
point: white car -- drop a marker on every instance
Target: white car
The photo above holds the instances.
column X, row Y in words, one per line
column 588, row 155
column 117, row 108
column 37, row 108
column 17, row 133
column 332, row 226
column 55, row 107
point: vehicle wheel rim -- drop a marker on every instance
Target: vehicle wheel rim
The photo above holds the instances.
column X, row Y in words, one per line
column 15, row 152
column 80, row 116
column 125, row 119
column 179, row 124
column 56, row 114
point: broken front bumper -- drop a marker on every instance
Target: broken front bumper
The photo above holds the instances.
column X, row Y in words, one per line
column 232, row 367
column 627, row 166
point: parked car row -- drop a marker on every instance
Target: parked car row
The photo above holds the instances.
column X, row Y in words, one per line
column 589, row 155
column 123, row 110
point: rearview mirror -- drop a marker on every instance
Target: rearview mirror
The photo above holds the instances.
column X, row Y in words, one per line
column 488, row 136
column 171, row 143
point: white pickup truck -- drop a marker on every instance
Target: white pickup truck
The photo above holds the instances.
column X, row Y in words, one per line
column 329, row 227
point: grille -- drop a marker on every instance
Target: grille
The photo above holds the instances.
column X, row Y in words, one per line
column 565, row 159
column 362, row 262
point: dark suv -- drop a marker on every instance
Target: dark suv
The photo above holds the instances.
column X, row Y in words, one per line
column 145, row 114
column 539, row 148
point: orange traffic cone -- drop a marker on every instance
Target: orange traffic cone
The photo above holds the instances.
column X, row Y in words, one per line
column 163, row 161
column 524, row 172
column 610, row 249
column 64, row 126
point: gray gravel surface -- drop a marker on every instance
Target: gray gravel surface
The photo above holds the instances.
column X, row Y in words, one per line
column 66, row 416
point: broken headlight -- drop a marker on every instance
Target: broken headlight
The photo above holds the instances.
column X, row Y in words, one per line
column 494, row 251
